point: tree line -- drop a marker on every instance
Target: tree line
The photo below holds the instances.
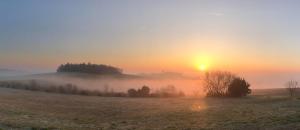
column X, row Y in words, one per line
column 34, row 85
column 90, row 68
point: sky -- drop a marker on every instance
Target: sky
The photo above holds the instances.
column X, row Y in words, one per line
column 151, row 35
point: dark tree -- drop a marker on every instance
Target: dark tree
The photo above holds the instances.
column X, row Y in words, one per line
column 239, row 87
column 132, row 93
column 144, row 92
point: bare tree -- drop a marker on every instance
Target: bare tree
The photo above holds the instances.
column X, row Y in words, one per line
column 292, row 87
column 216, row 83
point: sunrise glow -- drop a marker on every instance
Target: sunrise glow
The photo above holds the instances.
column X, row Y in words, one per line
column 183, row 37
column 202, row 67
column 149, row 64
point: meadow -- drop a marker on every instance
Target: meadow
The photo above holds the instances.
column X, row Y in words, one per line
column 21, row 109
column 149, row 65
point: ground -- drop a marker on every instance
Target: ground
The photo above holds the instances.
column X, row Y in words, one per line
column 20, row 109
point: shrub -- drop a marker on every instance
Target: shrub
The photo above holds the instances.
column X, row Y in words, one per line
column 132, row 93
column 239, row 87
column 144, row 92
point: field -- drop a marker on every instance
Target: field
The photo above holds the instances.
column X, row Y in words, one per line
column 21, row 109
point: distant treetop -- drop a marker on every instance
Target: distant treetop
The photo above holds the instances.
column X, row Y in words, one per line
column 89, row 68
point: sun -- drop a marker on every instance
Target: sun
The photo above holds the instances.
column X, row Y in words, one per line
column 202, row 63
column 202, row 67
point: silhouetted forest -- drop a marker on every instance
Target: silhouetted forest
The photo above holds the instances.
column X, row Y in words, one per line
column 89, row 68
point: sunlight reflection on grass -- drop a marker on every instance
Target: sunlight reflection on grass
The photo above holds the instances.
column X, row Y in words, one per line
column 198, row 106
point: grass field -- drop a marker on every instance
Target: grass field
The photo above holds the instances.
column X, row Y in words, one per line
column 21, row 109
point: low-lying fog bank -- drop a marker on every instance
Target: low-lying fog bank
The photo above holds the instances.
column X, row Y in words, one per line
column 189, row 86
column 121, row 83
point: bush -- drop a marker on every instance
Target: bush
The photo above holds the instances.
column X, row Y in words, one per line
column 143, row 92
column 239, row 87
column 132, row 93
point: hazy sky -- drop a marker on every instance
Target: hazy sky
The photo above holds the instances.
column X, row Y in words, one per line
column 151, row 35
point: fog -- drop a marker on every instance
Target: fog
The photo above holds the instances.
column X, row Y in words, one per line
column 269, row 80
column 6, row 73
column 188, row 85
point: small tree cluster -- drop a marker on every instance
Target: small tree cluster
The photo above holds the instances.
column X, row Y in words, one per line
column 168, row 91
column 292, row 86
column 142, row 92
column 225, row 84
column 89, row 68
